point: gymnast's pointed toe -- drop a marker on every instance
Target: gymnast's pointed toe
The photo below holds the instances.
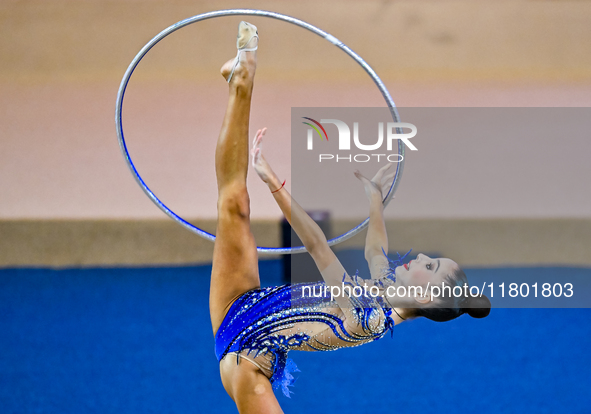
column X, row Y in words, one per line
column 248, row 37
column 244, row 64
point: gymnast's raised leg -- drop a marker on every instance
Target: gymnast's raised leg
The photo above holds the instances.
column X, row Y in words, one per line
column 235, row 260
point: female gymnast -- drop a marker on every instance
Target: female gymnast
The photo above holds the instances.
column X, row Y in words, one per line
column 254, row 328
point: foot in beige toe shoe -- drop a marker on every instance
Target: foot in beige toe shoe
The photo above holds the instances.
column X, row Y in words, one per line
column 247, row 41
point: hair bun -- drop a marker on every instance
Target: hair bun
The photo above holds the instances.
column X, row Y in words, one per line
column 478, row 306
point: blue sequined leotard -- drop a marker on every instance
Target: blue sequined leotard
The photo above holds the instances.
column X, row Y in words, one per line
column 265, row 324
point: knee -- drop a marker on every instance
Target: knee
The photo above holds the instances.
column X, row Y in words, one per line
column 234, row 202
column 244, row 382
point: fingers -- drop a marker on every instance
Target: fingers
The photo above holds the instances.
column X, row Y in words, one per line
column 378, row 177
column 385, row 168
column 387, row 178
column 255, row 156
column 256, row 137
column 361, row 177
column 257, row 146
column 257, row 143
column 258, row 160
column 259, row 136
column 256, row 152
column 254, row 142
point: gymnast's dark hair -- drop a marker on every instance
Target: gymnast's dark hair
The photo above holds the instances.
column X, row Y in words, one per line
column 448, row 307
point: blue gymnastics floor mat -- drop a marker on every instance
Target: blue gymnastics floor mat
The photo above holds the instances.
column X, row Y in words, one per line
column 139, row 340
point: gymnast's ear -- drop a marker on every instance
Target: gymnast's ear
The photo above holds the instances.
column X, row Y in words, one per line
column 478, row 307
column 423, row 300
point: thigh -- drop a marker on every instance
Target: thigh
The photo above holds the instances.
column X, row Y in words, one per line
column 250, row 389
column 235, row 258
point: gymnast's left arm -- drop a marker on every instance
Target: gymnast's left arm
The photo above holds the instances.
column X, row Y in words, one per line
column 307, row 230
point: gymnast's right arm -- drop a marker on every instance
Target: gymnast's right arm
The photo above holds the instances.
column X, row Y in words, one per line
column 376, row 241
column 307, row 230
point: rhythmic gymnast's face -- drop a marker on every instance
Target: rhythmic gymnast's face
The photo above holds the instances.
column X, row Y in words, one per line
column 425, row 270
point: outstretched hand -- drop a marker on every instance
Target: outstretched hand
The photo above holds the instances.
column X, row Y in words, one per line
column 260, row 164
column 377, row 185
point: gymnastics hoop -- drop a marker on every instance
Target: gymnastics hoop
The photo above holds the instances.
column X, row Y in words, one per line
column 273, row 15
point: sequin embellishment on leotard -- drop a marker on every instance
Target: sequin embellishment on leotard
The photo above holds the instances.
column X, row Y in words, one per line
column 255, row 320
column 273, row 321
